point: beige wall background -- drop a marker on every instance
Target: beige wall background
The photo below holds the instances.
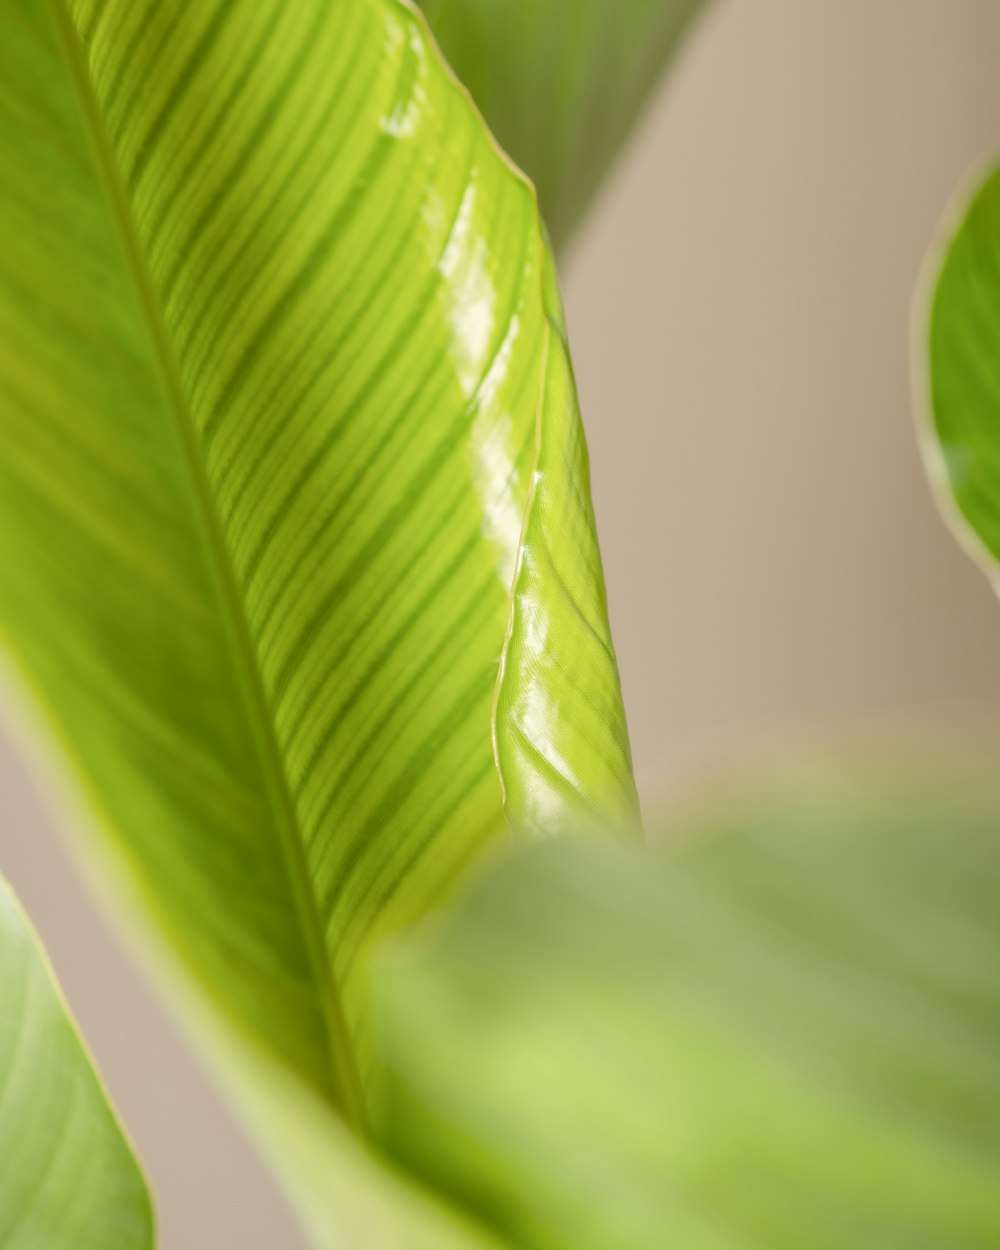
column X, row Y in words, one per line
column 739, row 309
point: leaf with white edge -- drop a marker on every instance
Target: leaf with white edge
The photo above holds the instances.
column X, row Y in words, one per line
column 960, row 358
column 561, row 82
column 274, row 380
column 782, row 1035
column 68, row 1179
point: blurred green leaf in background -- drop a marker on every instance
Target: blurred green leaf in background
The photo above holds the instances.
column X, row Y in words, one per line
column 561, row 82
column 68, row 1180
column 958, row 370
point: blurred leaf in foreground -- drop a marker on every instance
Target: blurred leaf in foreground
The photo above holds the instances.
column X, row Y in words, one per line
column 784, row 1033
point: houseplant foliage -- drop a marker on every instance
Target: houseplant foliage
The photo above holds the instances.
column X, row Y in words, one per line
column 958, row 359
column 298, row 559
column 561, row 81
column 285, row 384
column 781, row 1030
column 286, row 399
column 69, row 1181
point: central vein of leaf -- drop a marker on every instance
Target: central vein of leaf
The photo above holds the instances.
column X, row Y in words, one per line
column 342, row 1081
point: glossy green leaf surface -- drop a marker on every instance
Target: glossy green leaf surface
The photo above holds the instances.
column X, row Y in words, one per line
column 962, row 366
column 561, row 82
column 784, row 1035
column 278, row 378
column 68, row 1179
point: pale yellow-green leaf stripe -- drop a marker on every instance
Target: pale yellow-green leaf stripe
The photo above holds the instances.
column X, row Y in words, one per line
column 68, row 1180
column 277, row 369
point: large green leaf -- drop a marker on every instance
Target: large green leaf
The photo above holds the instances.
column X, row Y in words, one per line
column 783, row 1035
column 68, row 1180
column 282, row 382
column 961, row 359
column 561, row 82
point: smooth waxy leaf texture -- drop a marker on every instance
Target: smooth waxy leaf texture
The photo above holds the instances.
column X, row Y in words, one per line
column 785, row 1035
column 561, row 82
column 68, row 1180
column 281, row 370
column 962, row 436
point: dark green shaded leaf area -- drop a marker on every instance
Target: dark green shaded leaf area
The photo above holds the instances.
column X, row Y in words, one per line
column 963, row 365
column 68, row 1180
column 782, row 1033
column 561, row 82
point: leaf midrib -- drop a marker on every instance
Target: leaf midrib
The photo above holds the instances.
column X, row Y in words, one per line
column 344, row 1084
